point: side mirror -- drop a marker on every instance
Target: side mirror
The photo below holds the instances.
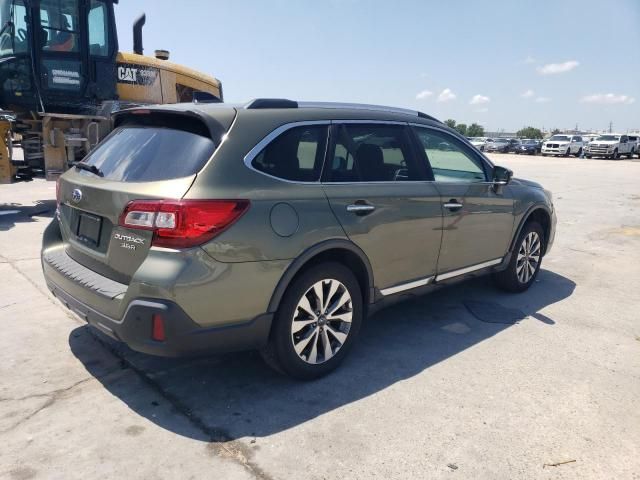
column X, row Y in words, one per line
column 501, row 176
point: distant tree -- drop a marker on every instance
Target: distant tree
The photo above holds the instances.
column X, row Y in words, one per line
column 475, row 130
column 555, row 131
column 461, row 128
column 451, row 123
column 529, row 132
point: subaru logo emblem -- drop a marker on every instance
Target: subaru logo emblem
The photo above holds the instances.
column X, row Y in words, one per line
column 76, row 196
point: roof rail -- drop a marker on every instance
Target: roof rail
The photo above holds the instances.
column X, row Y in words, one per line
column 259, row 103
column 357, row 106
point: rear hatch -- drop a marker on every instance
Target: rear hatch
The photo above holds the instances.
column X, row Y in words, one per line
column 150, row 155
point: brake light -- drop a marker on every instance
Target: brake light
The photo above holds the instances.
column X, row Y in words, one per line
column 157, row 328
column 182, row 223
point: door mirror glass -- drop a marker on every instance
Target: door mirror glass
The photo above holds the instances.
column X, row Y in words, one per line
column 501, row 175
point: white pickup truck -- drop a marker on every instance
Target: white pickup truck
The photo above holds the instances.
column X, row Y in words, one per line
column 563, row 145
column 611, row 146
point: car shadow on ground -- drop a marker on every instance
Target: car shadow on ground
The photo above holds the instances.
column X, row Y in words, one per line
column 236, row 395
column 12, row 213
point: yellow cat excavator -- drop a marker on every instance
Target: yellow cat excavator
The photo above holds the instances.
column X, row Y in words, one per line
column 62, row 76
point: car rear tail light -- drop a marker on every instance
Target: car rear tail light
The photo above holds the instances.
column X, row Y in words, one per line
column 157, row 328
column 182, row 223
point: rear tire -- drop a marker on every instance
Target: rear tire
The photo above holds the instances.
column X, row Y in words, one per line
column 525, row 260
column 317, row 322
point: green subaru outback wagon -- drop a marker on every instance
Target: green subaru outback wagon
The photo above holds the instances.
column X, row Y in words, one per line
column 279, row 225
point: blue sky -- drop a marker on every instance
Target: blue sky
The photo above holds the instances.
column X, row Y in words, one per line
column 500, row 63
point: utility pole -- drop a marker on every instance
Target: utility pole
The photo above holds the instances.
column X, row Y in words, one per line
column 610, row 127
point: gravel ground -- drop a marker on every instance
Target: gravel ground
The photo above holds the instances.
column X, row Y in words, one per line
column 432, row 390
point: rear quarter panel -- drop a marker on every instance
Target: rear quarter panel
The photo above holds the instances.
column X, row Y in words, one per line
column 253, row 237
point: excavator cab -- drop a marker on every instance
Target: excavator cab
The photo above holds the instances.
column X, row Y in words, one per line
column 57, row 53
column 62, row 76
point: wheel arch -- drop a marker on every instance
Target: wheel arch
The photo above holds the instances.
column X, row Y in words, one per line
column 542, row 215
column 340, row 250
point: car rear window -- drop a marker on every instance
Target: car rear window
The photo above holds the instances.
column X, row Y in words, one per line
column 133, row 153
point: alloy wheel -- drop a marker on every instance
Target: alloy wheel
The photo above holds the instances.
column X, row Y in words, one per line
column 321, row 321
column 528, row 257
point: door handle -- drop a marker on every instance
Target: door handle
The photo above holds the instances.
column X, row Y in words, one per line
column 360, row 208
column 452, row 204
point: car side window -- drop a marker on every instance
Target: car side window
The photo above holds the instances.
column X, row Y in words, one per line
column 372, row 153
column 449, row 160
column 297, row 154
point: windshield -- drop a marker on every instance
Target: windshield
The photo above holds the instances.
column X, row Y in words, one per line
column 608, row 138
column 560, row 138
column 530, row 142
column 501, row 140
column 13, row 25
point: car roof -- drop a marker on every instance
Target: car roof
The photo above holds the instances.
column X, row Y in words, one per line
column 293, row 111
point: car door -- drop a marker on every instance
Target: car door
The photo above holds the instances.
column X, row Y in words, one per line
column 576, row 144
column 624, row 144
column 381, row 196
column 477, row 218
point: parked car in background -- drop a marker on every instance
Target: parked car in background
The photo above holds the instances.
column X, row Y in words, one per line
column 514, row 144
column 529, row 147
column 500, row 145
column 281, row 227
column 563, row 145
column 587, row 139
column 478, row 142
column 611, row 146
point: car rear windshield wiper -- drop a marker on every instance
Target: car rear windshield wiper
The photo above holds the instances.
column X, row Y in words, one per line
column 89, row 168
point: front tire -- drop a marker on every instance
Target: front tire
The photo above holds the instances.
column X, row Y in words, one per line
column 615, row 155
column 317, row 322
column 579, row 153
column 525, row 261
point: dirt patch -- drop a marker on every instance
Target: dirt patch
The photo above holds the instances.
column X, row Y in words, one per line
column 629, row 231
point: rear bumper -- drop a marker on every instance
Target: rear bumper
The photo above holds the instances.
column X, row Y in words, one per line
column 201, row 301
column 183, row 335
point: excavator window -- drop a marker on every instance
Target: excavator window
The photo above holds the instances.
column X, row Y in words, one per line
column 14, row 37
column 59, row 20
column 184, row 94
column 98, row 29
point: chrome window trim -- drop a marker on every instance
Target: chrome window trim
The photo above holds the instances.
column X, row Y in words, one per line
column 406, row 286
column 472, row 268
column 391, row 182
column 257, row 149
